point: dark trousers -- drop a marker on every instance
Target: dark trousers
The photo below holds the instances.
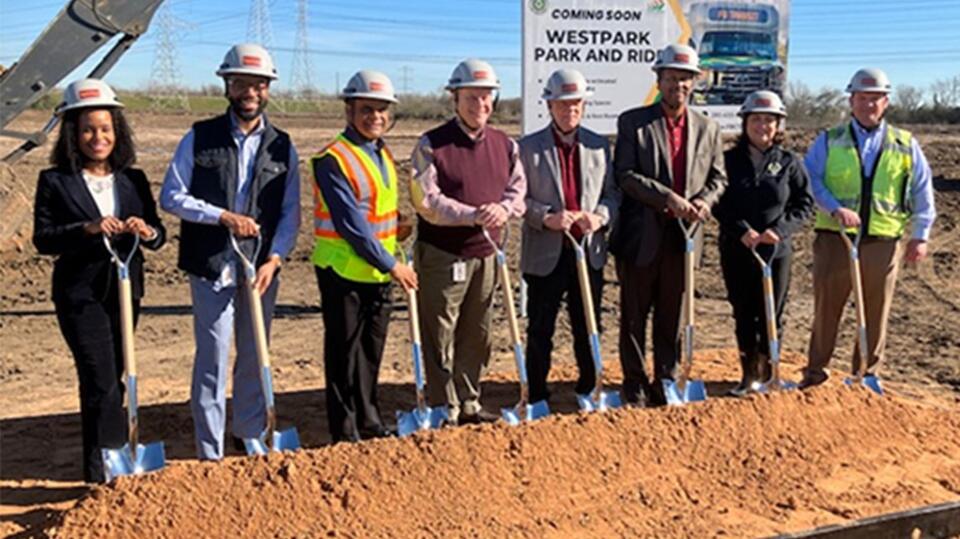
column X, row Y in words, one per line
column 742, row 275
column 544, row 295
column 355, row 319
column 657, row 286
column 92, row 332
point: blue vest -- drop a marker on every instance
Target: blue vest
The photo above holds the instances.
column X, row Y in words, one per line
column 205, row 248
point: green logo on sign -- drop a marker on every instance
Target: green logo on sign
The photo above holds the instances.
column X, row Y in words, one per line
column 538, row 6
column 657, row 6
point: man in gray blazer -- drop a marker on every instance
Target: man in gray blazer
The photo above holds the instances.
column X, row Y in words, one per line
column 570, row 186
column 669, row 165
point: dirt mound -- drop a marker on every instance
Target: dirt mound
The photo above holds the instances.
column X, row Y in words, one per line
column 727, row 467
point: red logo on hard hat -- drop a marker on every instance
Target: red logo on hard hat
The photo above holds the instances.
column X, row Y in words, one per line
column 480, row 75
column 253, row 61
column 761, row 102
column 376, row 86
column 868, row 81
column 681, row 57
column 89, row 93
column 571, row 87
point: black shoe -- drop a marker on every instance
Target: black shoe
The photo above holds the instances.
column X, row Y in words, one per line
column 379, row 432
column 745, row 387
column 482, row 416
column 811, row 381
column 238, row 444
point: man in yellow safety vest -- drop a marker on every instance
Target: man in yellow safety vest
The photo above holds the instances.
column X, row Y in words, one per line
column 355, row 226
column 871, row 176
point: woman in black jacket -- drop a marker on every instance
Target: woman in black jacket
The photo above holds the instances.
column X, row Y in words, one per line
column 92, row 192
column 767, row 199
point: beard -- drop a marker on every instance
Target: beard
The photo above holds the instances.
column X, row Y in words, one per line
column 236, row 105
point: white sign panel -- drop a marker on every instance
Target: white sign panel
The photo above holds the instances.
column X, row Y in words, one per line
column 742, row 46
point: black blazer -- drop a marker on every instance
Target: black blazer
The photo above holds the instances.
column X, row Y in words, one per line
column 774, row 195
column 83, row 271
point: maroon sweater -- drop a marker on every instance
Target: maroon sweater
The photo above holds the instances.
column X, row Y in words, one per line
column 474, row 172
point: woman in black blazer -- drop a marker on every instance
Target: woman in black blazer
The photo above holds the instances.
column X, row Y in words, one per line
column 767, row 199
column 92, row 192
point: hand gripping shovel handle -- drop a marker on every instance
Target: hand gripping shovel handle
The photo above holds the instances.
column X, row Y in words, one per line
column 127, row 336
column 514, row 325
column 259, row 330
column 853, row 248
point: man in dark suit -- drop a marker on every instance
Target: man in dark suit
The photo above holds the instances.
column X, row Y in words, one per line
column 669, row 165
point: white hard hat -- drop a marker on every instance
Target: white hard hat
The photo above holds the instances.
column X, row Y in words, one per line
column 566, row 84
column 473, row 73
column 248, row 59
column 369, row 84
column 869, row 79
column 763, row 101
column 85, row 93
column 680, row 57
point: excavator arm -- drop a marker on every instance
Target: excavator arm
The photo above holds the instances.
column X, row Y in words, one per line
column 79, row 30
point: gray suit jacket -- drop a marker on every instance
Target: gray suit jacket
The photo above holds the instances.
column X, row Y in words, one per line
column 598, row 194
column 643, row 172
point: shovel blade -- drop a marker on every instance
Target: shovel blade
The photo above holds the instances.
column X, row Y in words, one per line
column 767, row 387
column 607, row 400
column 413, row 421
column 284, row 440
column 869, row 381
column 514, row 416
column 693, row 391
column 116, row 462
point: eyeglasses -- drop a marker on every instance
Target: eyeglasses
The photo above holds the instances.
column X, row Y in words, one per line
column 242, row 85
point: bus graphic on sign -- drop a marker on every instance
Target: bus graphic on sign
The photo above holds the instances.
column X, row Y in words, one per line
column 738, row 47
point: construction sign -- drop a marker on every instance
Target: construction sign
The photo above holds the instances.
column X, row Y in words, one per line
column 614, row 43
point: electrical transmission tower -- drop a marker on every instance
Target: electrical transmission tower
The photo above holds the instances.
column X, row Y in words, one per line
column 406, row 71
column 259, row 29
column 166, row 89
column 300, row 70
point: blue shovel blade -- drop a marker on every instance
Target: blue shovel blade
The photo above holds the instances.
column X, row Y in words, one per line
column 870, row 381
column 431, row 418
column 608, row 400
column 285, row 440
column 693, row 391
column 117, row 462
column 514, row 416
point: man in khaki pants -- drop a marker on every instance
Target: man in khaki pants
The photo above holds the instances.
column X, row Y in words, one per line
column 871, row 175
column 467, row 177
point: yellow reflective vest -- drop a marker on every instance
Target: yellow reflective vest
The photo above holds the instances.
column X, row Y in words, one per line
column 890, row 205
column 376, row 197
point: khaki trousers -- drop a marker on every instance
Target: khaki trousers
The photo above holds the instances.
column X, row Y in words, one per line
column 455, row 322
column 879, row 263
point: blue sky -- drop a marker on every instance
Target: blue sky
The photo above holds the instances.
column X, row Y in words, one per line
column 916, row 42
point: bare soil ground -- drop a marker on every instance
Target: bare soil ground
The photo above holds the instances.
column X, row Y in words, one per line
column 39, row 421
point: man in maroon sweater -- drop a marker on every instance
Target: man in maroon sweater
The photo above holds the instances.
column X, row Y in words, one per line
column 467, row 177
